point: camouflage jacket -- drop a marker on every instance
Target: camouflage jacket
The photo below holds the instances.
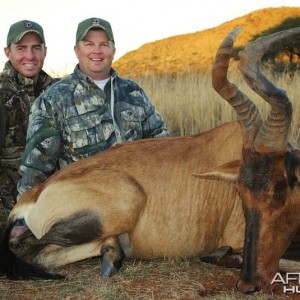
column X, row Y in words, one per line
column 76, row 119
column 17, row 94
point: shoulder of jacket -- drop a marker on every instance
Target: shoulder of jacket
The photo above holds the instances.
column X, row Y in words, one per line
column 8, row 88
column 127, row 83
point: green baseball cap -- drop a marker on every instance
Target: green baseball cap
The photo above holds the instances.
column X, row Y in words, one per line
column 88, row 24
column 19, row 29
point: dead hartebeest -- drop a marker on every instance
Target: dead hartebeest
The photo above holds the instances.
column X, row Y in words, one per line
column 160, row 197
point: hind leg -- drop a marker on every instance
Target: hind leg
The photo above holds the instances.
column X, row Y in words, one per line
column 75, row 238
column 53, row 256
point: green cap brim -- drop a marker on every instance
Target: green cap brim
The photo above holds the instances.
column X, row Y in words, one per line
column 20, row 36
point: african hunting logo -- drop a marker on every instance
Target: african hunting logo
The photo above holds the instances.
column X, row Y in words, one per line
column 290, row 282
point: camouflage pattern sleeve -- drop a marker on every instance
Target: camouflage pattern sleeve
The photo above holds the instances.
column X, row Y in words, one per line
column 40, row 157
column 2, row 127
column 153, row 126
column 135, row 113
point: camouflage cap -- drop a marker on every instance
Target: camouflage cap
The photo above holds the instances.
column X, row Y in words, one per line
column 19, row 29
column 88, row 24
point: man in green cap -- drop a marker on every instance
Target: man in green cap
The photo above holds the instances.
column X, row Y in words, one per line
column 21, row 81
column 87, row 112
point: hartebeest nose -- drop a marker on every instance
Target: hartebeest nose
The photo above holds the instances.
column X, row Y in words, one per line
column 246, row 287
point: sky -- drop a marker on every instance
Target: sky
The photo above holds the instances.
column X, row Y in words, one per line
column 134, row 22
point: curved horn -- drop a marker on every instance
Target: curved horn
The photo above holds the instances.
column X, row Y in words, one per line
column 246, row 110
column 273, row 134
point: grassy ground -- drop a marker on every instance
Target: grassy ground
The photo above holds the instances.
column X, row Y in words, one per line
column 159, row 279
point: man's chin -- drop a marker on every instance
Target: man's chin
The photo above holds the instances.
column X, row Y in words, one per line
column 30, row 73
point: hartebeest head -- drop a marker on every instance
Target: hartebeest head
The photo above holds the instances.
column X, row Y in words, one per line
column 268, row 181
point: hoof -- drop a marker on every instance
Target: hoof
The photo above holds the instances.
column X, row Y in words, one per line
column 107, row 268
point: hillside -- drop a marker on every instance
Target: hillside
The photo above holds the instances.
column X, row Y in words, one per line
column 195, row 51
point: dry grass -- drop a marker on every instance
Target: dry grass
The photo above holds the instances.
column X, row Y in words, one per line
column 160, row 279
column 189, row 104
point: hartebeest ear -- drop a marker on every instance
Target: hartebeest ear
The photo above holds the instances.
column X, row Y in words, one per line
column 227, row 172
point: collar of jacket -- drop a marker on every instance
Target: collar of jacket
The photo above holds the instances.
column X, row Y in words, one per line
column 84, row 77
column 42, row 82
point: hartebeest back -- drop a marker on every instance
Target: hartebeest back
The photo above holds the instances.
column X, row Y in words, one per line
column 158, row 198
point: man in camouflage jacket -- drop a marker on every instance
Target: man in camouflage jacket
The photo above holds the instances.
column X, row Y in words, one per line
column 21, row 81
column 87, row 112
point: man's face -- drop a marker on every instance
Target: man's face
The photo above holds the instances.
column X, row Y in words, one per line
column 95, row 54
column 28, row 55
